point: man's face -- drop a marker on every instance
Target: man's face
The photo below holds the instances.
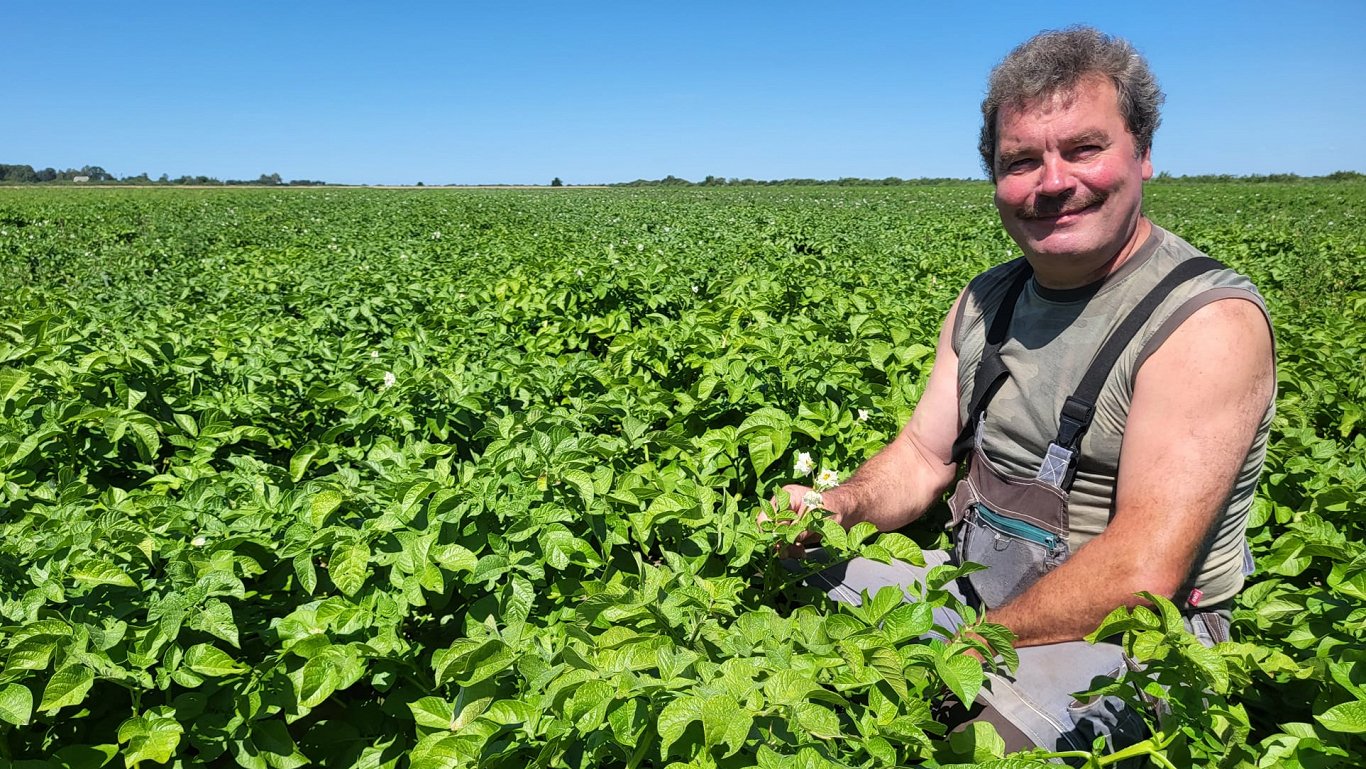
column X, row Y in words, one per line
column 1068, row 181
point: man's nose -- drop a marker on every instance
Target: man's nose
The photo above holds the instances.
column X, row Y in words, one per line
column 1057, row 176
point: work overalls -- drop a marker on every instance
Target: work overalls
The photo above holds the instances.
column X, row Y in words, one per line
column 1018, row 528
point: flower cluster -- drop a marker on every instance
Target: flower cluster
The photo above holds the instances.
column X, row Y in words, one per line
column 827, row 479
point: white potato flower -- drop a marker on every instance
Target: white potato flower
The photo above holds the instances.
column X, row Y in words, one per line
column 805, row 464
column 863, row 415
column 812, row 500
column 389, row 380
column 828, row 479
column 199, row 541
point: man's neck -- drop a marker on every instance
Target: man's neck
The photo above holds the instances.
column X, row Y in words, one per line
column 1061, row 275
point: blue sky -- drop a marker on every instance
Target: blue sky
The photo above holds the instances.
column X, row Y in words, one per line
column 520, row 92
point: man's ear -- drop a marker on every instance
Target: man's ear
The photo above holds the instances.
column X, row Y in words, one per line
column 1147, row 161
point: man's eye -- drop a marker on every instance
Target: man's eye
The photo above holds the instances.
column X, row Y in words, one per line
column 1019, row 165
column 1086, row 150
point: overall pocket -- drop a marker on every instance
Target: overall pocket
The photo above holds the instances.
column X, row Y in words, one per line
column 1016, row 553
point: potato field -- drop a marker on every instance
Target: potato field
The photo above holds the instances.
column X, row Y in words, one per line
column 425, row 479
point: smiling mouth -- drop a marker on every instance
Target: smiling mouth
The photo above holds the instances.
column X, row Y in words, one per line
column 1046, row 216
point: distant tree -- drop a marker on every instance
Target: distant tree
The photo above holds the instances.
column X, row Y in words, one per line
column 269, row 179
column 47, row 175
column 556, row 182
column 96, row 174
column 17, row 173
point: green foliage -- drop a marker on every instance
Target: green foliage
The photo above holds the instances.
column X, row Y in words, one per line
column 442, row 479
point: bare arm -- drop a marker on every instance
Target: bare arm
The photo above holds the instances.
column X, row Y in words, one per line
column 902, row 480
column 1197, row 403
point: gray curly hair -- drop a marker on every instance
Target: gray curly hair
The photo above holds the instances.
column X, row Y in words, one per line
column 1054, row 62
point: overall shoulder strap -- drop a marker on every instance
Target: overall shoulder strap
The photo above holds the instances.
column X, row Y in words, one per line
column 991, row 371
column 1060, row 463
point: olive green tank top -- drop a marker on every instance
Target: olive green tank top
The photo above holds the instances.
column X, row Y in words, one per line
column 1052, row 339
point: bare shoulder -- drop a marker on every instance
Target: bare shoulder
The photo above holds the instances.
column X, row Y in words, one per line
column 1223, row 349
column 1200, row 397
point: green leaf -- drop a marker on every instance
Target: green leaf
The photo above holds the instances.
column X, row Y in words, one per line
column 1115, row 623
column 819, row 722
column 788, row 687
column 153, row 737
column 16, row 704
column 306, row 573
column 628, row 719
column 725, row 722
column 1349, row 717
column 67, row 686
column 319, row 677
column 909, row 620
column 433, row 713
column 582, row 483
column 889, row 665
column 271, row 737
column 349, row 566
column 902, row 548
column 11, row 381
column 674, row 720
column 454, row 558
column 93, row 573
column 215, row 618
column 860, row 533
column 587, row 707
column 323, row 504
column 145, row 435
column 979, row 742
column 887, row 598
column 469, row 661
column 963, row 675
column 1210, row 664
column 208, row 660
column 298, row 464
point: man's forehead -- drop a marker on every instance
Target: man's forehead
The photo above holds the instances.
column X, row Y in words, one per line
column 1062, row 97
column 1061, row 100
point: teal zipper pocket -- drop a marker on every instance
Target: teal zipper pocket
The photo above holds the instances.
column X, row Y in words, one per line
column 1019, row 529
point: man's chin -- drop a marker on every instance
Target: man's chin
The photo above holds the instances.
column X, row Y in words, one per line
column 1055, row 244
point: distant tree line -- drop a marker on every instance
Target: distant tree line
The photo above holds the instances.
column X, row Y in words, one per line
column 718, row 181
column 891, row 181
column 1336, row 176
column 26, row 174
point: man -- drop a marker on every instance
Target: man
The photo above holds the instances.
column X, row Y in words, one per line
column 1090, row 477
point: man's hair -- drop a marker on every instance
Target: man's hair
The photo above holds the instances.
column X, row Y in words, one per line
column 1054, row 62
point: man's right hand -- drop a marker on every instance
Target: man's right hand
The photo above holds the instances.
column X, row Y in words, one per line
column 799, row 503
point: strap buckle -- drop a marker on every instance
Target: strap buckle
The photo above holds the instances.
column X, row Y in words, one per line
column 1073, row 422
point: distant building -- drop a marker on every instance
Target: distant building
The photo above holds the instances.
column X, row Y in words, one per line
column 80, row 178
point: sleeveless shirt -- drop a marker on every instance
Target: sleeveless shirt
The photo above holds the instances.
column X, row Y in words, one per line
column 1053, row 337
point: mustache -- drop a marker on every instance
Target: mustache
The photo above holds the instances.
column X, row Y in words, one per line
column 1049, row 207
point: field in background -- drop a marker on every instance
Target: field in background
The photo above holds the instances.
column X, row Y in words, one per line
column 468, row 478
